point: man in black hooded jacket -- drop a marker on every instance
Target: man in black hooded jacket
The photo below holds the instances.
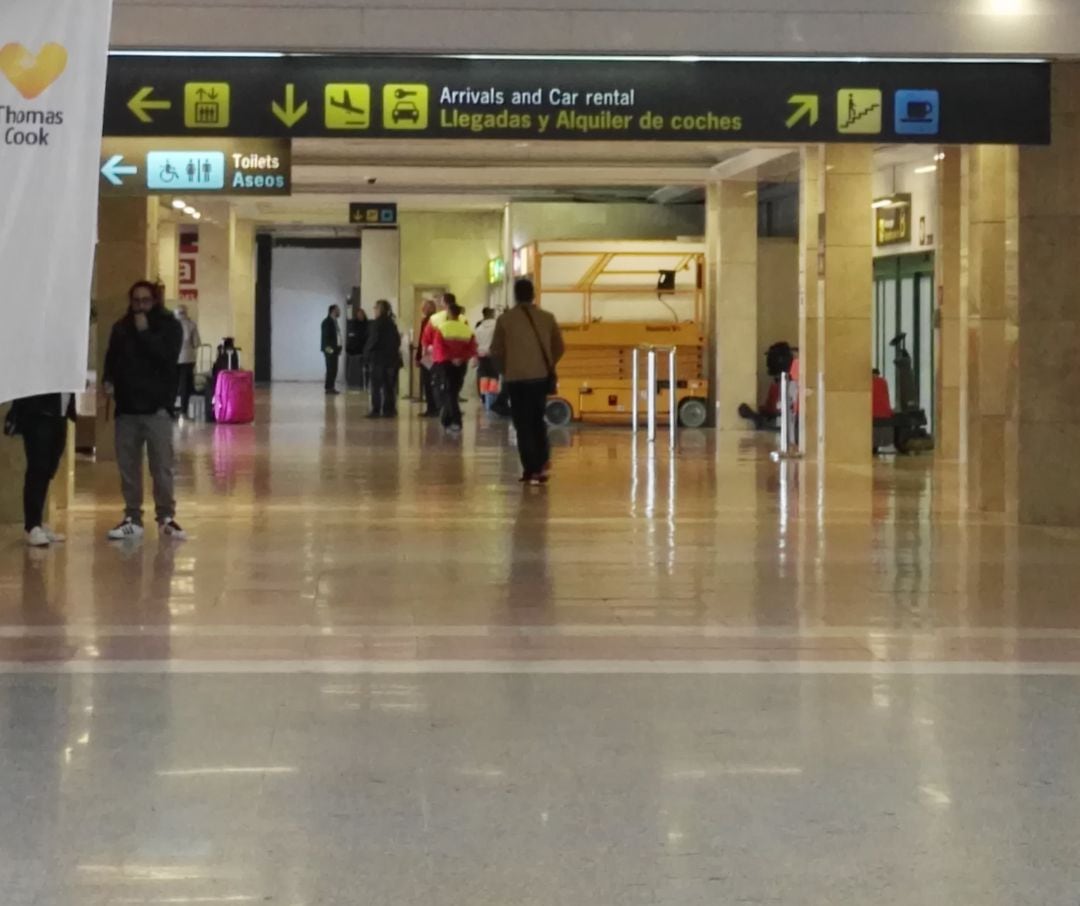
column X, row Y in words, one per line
column 140, row 374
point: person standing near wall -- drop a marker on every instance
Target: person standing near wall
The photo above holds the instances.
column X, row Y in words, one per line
column 42, row 422
column 140, row 374
column 453, row 347
column 527, row 346
column 331, row 347
column 356, row 331
column 383, row 354
column 189, row 351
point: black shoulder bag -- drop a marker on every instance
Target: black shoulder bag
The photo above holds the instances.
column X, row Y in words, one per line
column 552, row 378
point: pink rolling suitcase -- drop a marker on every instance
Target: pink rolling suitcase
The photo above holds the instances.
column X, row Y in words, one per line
column 234, row 398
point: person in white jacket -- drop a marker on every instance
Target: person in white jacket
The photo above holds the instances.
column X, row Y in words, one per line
column 189, row 351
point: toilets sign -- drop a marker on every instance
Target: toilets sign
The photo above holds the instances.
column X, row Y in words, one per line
column 540, row 99
column 53, row 61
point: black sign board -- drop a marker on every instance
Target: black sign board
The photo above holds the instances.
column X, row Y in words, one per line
column 529, row 99
column 373, row 214
column 196, row 166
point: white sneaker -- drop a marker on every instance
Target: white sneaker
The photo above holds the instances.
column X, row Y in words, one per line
column 37, row 537
column 128, row 530
column 171, row 529
column 54, row 537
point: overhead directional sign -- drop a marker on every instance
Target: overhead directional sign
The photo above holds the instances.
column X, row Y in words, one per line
column 587, row 99
column 196, row 166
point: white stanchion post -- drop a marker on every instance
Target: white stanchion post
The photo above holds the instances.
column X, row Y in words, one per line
column 673, row 386
column 635, row 402
column 651, row 390
column 785, row 413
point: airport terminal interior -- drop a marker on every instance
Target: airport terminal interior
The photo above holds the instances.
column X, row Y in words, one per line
column 792, row 619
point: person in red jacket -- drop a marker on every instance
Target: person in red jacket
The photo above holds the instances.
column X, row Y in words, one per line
column 453, row 346
column 423, row 362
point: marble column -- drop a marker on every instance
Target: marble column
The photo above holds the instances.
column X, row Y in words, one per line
column 950, row 264
column 731, row 248
column 811, row 293
column 846, row 185
column 991, row 327
column 242, row 286
column 1048, row 353
column 127, row 251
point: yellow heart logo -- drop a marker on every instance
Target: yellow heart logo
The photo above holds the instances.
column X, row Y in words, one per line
column 30, row 74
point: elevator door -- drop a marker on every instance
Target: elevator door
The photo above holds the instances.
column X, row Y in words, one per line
column 904, row 303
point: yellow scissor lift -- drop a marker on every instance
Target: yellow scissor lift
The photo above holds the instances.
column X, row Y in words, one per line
column 608, row 301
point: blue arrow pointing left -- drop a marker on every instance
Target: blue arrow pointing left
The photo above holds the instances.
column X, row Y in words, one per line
column 113, row 170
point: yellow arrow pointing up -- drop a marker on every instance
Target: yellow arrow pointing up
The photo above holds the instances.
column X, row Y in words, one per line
column 806, row 106
column 290, row 114
column 140, row 104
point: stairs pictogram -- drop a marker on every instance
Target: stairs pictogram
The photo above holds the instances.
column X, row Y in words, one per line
column 855, row 115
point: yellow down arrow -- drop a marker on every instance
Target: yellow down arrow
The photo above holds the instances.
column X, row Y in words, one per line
column 290, row 114
column 806, row 105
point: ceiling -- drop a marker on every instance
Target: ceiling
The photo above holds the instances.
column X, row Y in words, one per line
column 479, row 174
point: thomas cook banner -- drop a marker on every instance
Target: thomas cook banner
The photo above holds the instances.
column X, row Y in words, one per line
column 53, row 59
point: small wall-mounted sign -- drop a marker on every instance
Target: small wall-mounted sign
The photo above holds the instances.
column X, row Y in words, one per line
column 373, row 214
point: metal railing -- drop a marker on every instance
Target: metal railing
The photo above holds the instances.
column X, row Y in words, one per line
column 788, row 447
column 651, row 353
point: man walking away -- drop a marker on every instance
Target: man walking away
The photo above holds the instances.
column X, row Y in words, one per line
column 331, row 347
column 527, row 346
column 42, row 422
column 140, row 374
column 453, row 347
column 189, row 352
column 383, row 353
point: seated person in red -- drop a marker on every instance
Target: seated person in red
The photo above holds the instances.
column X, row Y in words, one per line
column 769, row 410
column 881, row 404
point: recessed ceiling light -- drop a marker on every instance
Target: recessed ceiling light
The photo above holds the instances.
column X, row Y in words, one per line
column 179, row 204
column 189, row 210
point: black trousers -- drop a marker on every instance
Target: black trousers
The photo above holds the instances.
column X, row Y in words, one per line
column 528, row 400
column 383, row 390
column 427, row 390
column 331, row 369
column 449, row 379
column 185, row 373
column 44, row 439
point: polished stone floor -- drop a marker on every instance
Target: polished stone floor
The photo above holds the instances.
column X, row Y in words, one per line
column 383, row 672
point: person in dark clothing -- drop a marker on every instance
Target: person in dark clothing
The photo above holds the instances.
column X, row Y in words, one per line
column 42, row 422
column 331, row 347
column 527, row 346
column 383, row 352
column 140, row 374
column 424, row 362
column 356, row 331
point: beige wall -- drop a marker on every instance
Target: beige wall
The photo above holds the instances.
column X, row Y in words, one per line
column 534, row 221
column 448, row 249
column 778, row 300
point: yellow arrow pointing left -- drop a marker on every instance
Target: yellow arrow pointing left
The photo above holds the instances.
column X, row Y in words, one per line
column 141, row 104
column 290, row 114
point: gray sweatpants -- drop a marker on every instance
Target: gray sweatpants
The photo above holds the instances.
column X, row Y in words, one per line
column 155, row 432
